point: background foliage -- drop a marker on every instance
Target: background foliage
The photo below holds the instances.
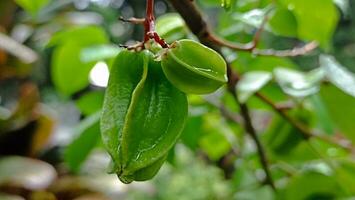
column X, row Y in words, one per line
column 54, row 60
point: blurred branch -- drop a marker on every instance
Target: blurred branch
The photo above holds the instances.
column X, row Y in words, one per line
column 304, row 130
column 199, row 27
column 252, row 132
column 24, row 53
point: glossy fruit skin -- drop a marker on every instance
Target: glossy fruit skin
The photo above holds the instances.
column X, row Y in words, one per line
column 143, row 116
column 194, row 68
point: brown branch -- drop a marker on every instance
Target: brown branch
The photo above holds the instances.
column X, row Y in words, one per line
column 297, row 51
column 260, row 30
column 132, row 20
column 252, row 132
column 304, row 130
column 199, row 27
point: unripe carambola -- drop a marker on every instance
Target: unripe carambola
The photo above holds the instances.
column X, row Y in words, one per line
column 194, row 68
column 143, row 116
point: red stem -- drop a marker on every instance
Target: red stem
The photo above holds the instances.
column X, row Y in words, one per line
column 149, row 26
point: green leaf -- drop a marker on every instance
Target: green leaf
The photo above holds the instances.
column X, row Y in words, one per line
column 283, row 22
column 99, row 53
column 345, row 173
column 171, row 27
column 227, row 4
column 298, row 84
column 265, row 193
column 83, row 36
column 214, row 141
column 214, row 144
column 324, row 119
column 70, row 69
column 248, row 62
column 312, row 185
column 338, row 75
column 69, row 73
column 281, row 137
column 88, row 132
column 316, row 19
column 253, row 17
column 91, row 102
column 341, row 108
column 192, row 132
column 250, row 83
column 32, row 6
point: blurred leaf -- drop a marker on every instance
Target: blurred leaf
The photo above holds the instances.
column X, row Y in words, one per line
column 69, row 74
column 82, row 36
column 192, row 132
column 244, row 176
column 191, row 179
column 90, row 102
column 283, row 22
column 312, row 185
column 32, row 6
column 341, row 108
column 322, row 114
column 298, row 84
column 338, row 75
column 214, row 142
column 26, row 173
column 99, row 53
column 344, row 6
column 88, row 132
column 253, row 17
column 345, row 173
column 316, row 19
column 265, row 193
column 281, row 137
column 250, row 83
column 247, row 62
column 227, row 4
column 171, row 27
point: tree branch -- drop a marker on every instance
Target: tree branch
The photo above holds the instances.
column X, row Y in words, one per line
column 304, row 130
column 199, row 27
column 252, row 132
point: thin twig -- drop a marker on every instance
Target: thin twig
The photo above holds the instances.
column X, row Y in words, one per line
column 199, row 27
column 252, row 132
column 132, row 20
column 304, row 130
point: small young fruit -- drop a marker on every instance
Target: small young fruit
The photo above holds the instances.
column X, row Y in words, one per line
column 194, row 68
column 143, row 116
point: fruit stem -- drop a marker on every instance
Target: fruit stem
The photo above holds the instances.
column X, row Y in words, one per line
column 149, row 26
